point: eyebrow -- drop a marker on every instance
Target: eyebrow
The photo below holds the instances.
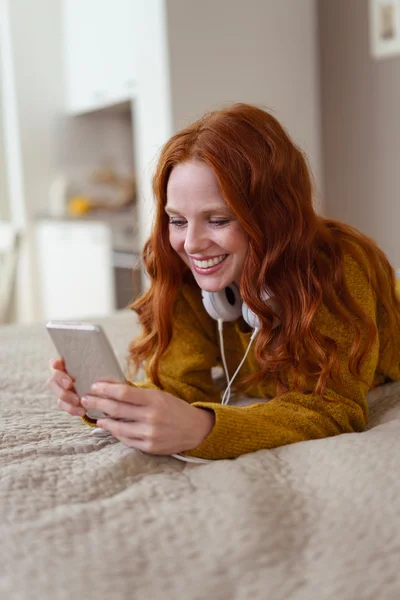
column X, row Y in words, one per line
column 206, row 211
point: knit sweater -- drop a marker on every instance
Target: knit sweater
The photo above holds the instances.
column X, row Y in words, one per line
column 185, row 371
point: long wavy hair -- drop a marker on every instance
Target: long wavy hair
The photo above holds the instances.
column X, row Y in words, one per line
column 297, row 255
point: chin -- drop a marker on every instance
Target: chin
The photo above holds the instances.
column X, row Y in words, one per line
column 212, row 286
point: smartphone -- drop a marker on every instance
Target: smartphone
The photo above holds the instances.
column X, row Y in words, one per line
column 87, row 354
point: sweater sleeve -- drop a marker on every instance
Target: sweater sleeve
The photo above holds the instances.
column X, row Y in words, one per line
column 295, row 416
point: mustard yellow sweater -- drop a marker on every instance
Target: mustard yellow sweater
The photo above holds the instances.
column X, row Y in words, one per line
column 185, row 371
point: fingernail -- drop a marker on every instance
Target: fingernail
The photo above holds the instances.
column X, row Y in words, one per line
column 96, row 387
column 65, row 383
column 85, row 401
column 80, row 412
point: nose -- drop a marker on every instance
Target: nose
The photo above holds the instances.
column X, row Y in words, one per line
column 196, row 240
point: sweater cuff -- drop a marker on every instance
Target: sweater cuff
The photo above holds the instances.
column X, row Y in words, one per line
column 227, row 438
column 88, row 421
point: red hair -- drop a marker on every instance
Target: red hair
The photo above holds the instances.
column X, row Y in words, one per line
column 265, row 180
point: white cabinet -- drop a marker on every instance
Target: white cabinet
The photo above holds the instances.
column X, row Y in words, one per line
column 75, row 266
column 99, row 53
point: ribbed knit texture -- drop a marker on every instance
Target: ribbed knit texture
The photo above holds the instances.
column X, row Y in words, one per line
column 185, row 371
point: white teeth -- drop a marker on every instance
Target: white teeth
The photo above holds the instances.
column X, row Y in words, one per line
column 205, row 264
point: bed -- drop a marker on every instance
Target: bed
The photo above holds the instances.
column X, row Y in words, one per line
column 83, row 516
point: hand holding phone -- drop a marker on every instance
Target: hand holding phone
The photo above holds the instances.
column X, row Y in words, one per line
column 62, row 385
column 87, row 355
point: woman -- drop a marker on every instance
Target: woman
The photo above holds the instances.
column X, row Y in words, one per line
column 234, row 204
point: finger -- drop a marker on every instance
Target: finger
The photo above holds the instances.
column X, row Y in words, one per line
column 139, row 437
column 113, row 408
column 76, row 411
column 132, row 443
column 129, row 429
column 63, row 379
column 70, row 398
column 57, row 363
column 123, row 392
column 56, row 384
column 141, row 445
column 66, row 395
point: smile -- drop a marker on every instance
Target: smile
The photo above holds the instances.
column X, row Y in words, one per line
column 211, row 262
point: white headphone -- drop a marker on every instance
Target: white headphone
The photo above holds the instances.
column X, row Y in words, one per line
column 227, row 305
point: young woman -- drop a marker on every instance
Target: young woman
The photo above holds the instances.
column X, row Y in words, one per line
column 235, row 206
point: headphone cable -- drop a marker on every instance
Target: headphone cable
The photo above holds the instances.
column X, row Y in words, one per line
column 221, row 343
column 227, row 394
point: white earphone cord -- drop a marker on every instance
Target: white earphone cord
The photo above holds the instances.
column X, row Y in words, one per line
column 221, row 343
column 228, row 389
column 194, row 459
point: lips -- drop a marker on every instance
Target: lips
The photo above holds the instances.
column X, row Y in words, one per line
column 210, row 262
column 215, row 263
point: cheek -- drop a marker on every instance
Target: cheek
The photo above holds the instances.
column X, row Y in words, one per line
column 237, row 241
column 177, row 240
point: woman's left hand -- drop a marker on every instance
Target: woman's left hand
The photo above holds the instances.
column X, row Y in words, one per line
column 155, row 422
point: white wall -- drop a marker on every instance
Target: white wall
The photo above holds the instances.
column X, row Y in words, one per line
column 151, row 108
column 4, row 207
column 361, row 126
column 257, row 51
column 34, row 96
column 36, row 34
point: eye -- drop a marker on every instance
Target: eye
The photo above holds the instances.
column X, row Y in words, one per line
column 219, row 222
column 177, row 222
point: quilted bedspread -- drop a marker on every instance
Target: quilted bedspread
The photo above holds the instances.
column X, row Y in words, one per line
column 83, row 516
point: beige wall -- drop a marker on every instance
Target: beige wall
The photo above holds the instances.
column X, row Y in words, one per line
column 361, row 127
column 4, row 208
column 39, row 92
column 258, row 51
column 35, row 60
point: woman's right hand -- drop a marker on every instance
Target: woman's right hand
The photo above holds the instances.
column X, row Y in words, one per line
column 62, row 385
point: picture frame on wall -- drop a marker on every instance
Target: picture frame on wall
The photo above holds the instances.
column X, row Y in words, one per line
column 384, row 25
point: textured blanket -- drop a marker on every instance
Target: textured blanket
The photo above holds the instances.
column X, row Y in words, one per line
column 86, row 517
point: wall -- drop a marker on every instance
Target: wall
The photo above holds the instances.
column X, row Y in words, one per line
column 259, row 51
column 151, row 108
column 40, row 90
column 361, row 128
column 32, row 99
column 4, row 208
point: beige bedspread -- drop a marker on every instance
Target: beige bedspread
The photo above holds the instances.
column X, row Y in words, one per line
column 86, row 517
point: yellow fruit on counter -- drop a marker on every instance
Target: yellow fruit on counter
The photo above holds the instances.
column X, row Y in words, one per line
column 79, row 205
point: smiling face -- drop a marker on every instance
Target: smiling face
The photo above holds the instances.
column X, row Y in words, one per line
column 202, row 228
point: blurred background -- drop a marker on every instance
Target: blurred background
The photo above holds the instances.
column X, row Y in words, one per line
column 91, row 89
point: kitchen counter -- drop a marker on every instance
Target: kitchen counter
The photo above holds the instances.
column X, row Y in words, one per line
column 123, row 226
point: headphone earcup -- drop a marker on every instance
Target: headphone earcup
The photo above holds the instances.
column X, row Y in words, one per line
column 251, row 318
column 225, row 305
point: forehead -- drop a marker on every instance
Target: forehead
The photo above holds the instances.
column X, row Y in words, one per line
column 193, row 180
